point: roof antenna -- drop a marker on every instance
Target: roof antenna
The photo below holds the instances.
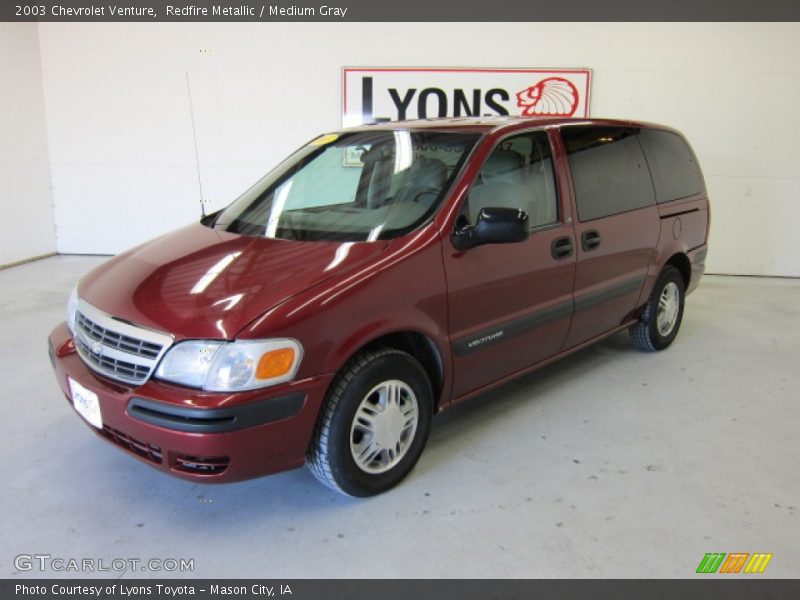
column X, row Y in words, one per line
column 196, row 152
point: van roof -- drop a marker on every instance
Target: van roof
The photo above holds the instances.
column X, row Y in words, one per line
column 495, row 123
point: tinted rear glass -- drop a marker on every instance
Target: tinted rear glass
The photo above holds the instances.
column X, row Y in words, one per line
column 672, row 164
column 609, row 170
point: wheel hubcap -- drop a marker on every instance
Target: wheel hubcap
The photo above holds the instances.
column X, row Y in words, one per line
column 384, row 426
column 668, row 305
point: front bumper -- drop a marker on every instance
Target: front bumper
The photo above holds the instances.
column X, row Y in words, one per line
column 196, row 435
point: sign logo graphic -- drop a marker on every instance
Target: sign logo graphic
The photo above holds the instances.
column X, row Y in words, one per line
column 552, row 97
column 736, row 562
column 390, row 94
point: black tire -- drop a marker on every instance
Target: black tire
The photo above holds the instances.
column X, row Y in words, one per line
column 645, row 333
column 330, row 457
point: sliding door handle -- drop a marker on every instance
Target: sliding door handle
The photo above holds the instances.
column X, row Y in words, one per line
column 590, row 240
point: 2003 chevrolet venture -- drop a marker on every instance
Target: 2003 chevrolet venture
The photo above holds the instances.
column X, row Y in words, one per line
column 377, row 276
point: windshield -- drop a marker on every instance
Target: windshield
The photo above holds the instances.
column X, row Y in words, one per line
column 361, row 186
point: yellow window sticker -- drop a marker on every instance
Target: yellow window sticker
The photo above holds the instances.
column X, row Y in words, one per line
column 324, row 139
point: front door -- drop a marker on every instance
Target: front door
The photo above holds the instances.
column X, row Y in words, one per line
column 510, row 304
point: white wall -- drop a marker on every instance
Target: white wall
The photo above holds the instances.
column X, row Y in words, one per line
column 26, row 206
column 121, row 141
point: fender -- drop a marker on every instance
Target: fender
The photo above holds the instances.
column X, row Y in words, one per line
column 683, row 230
column 400, row 290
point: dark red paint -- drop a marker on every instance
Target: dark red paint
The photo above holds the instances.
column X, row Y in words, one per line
column 415, row 283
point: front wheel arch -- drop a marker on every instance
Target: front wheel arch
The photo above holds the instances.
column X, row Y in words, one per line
column 419, row 345
column 332, row 455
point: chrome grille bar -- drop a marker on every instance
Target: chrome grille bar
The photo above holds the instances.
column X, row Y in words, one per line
column 117, row 349
column 116, row 340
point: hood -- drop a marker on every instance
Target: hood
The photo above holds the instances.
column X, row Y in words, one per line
column 198, row 282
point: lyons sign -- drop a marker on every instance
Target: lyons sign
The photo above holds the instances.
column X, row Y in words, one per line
column 390, row 94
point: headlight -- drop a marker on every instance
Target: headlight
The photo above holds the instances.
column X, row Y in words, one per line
column 187, row 363
column 72, row 309
column 232, row 366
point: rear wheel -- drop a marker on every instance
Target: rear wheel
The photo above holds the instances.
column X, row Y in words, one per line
column 662, row 316
column 374, row 424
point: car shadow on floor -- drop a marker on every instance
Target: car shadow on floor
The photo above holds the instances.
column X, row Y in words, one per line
column 274, row 501
column 502, row 401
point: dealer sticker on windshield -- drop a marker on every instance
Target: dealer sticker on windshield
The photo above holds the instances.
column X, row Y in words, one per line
column 324, row 139
column 86, row 403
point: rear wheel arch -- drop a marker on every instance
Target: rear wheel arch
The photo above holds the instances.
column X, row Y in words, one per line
column 680, row 261
column 658, row 325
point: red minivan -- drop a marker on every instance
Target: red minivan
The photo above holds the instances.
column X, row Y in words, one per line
column 375, row 277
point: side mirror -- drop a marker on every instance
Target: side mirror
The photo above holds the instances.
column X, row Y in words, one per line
column 494, row 226
column 210, row 219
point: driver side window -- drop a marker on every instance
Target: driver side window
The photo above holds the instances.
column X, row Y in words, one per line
column 517, row 174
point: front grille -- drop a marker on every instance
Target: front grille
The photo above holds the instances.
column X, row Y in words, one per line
column 150, row 452
column 119, row 369
column 112, row 339
column 117, row 349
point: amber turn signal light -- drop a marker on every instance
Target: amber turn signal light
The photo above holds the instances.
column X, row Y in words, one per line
column 275, row 363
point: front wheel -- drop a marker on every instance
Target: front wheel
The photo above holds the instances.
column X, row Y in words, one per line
column 662, row 316
column 374, row 424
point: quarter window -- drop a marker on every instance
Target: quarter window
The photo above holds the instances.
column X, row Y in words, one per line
column 609, row 170
column 672, row 164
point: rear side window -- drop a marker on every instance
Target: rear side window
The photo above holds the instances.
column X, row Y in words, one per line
column 609, row 170
column 672, row 164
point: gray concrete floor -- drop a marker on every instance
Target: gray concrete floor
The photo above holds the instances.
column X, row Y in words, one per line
column 611, row 463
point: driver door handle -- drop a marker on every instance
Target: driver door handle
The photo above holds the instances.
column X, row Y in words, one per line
column 561, row 247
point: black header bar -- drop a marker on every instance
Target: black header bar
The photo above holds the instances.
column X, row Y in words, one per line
column 337, row 11
column 708, row 587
